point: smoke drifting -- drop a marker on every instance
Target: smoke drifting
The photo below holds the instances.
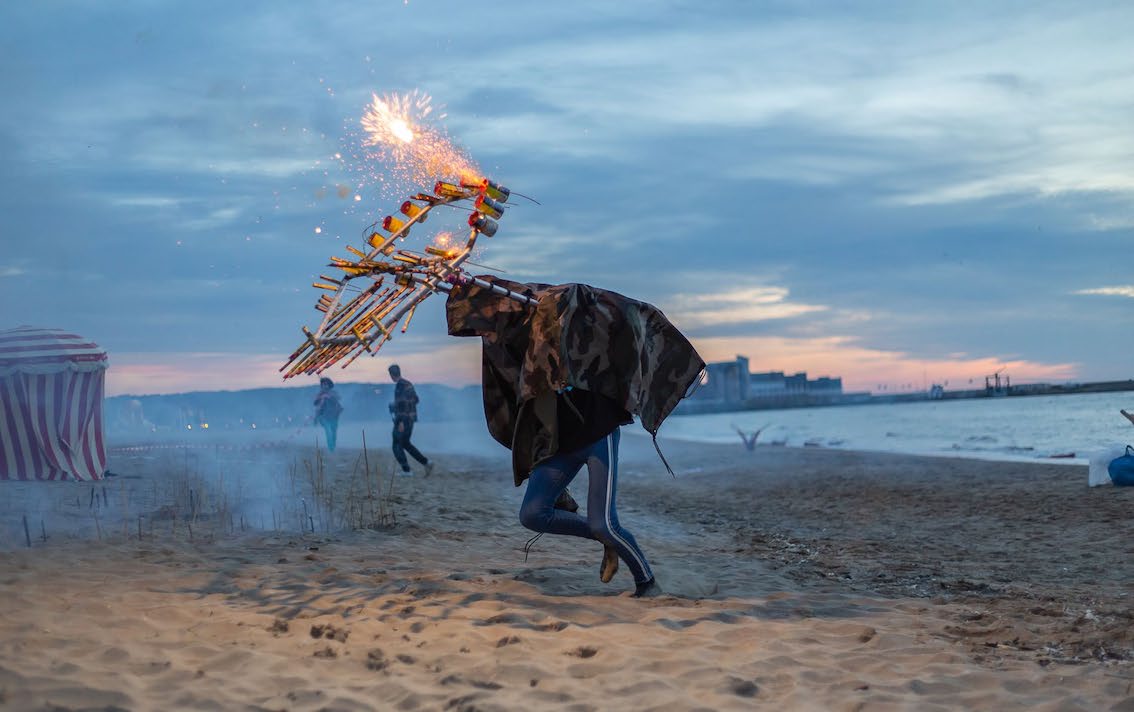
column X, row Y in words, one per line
column 204, row 465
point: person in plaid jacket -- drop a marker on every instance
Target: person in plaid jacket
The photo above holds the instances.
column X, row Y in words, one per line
column 404, row 412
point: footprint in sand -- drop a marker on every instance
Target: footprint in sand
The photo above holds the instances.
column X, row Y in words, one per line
column 330, row 632
column 278, row 627
column 741, row 688
column 480, row 684
column 584, row 652
column 376, row 660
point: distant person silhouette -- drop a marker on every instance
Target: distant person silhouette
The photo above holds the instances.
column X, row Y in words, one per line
column 404, row 412
column 327, row 410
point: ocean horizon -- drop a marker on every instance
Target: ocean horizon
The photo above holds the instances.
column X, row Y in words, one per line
column 1063, row 428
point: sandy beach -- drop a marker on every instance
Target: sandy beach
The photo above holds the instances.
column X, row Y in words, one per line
column 796, row 579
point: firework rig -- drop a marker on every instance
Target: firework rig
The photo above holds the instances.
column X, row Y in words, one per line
column 380, row 289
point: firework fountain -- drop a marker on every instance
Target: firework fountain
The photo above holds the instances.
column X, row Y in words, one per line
column 380, row 288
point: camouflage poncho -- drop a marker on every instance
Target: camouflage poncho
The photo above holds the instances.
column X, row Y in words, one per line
column 578, row 336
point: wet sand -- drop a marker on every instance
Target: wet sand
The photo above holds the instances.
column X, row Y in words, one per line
column 796, row 579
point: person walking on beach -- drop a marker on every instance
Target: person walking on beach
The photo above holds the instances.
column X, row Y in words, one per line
column 404, row 412
column 327, row 411
column 559, row 381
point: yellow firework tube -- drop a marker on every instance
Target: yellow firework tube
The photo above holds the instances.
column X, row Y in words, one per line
column 392, row 224
column 409, row 318
column 411, row 210
column 489, row 207
column 448, row 190
column 496, row 191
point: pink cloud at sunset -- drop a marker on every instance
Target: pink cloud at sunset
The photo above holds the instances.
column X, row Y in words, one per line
column 458, row 364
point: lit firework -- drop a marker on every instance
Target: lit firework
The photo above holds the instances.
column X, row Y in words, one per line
column 380, row 288
column 398, row 125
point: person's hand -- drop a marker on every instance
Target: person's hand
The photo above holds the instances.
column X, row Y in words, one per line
column 401, row 427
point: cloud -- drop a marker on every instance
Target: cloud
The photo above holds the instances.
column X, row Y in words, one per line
column 917, row 183
column 12, row 271
column 456, row 363
column 737, row 305
column 1123, row 291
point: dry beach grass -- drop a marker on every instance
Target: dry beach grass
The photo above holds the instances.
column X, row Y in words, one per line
column 797, row 579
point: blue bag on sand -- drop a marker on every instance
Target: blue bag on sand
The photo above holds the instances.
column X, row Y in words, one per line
column 1121, row 469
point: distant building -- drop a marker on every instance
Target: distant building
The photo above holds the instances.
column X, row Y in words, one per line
column 771, row 383
column 731, row 382
column 727, row 381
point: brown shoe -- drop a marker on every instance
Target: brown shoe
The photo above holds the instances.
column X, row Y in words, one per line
column 609, row 563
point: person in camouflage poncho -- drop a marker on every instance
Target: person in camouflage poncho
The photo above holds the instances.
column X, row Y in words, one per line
column 559, row 379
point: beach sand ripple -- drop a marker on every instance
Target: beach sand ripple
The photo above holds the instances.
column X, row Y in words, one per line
column 794, row 579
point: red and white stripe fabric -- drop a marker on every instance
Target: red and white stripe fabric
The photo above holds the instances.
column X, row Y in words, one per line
column 51, row 391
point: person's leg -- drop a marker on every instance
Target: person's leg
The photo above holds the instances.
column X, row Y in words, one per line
column 331, row 429
column 602, row 514
column 399, row 453
column 547, row 481
column 408, row 447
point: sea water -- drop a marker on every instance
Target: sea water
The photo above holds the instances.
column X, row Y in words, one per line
column 1065, row 428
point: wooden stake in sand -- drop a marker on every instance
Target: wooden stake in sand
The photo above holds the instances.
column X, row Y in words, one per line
column 43, row 529
column 27, row 536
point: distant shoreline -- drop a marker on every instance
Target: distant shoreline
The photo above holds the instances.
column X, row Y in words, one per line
column 805, row 400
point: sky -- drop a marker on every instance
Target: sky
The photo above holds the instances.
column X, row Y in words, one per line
column 895, row 194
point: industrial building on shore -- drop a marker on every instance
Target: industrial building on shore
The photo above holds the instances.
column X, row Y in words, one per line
column 729, row 385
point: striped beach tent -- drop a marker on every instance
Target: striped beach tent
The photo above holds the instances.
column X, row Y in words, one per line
column 51, row 388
